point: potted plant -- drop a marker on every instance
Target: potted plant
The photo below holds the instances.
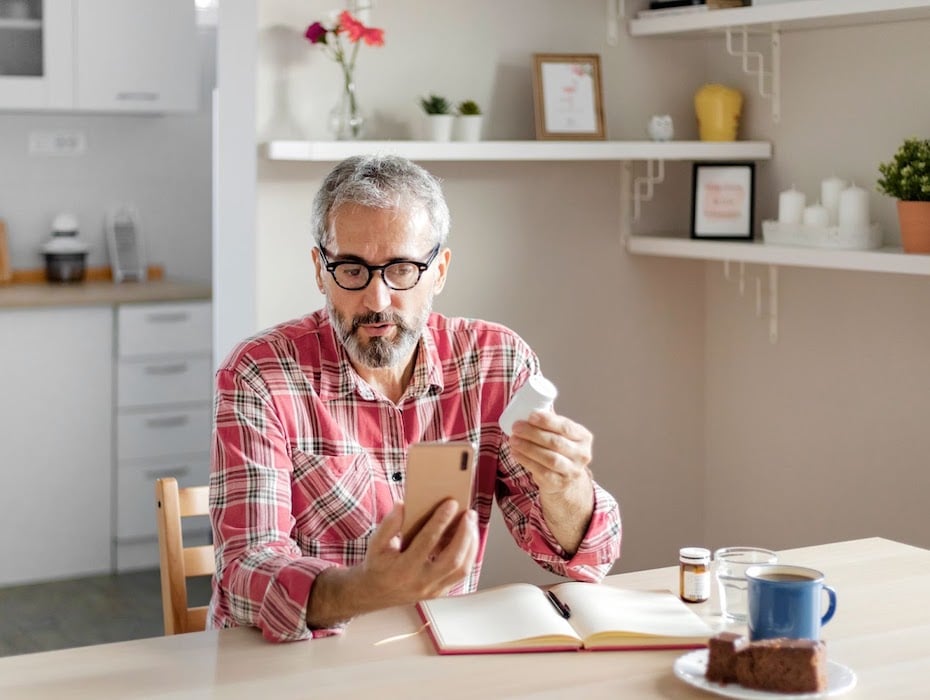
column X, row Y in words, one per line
column 438, row 117
column 906, row 177
column 468, row 119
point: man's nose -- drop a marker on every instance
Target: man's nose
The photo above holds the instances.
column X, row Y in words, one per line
column 377, row 294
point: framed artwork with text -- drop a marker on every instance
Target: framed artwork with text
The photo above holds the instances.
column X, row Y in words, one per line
column 567, row 96
column 722, row 201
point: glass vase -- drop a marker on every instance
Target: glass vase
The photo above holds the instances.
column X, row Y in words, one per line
column 346, row 122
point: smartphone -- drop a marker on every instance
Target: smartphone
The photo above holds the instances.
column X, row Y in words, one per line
column 436, row 471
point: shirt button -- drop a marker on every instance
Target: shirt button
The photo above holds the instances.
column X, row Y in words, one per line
column 396, row 476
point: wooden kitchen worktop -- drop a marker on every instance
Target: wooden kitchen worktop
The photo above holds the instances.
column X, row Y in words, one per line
column 99, row 292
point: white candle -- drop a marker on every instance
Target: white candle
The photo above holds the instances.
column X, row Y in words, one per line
column 853, row 208
column 791, row 206
column 830, row 196
column 816, row 215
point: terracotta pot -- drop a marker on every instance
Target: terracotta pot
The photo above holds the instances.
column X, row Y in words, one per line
column 914, row 220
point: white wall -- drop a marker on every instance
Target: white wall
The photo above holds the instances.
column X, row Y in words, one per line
column 707, row 433
column 823, row 436
column 159, row 163
column 535, row 246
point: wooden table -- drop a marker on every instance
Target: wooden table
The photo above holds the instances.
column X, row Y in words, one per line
column 881, row 630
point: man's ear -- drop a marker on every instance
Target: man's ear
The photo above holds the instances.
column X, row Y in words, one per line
column 442, row 267
column 317, row 268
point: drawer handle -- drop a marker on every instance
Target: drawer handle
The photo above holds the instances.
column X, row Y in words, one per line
column 168, row 316
column 176, row 368
column 138, row 96
column 177, row 473
column 167, row 422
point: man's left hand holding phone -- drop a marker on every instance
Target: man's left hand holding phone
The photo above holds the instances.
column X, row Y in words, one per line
column 421, row 549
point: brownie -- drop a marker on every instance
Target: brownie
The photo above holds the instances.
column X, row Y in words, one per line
column 721, row 656
column 783, row 666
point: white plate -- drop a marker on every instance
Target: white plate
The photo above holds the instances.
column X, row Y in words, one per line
column 691, row 668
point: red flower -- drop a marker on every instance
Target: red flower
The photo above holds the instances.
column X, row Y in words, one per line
column 351, row 26
column 373, row 37
column 316, row 33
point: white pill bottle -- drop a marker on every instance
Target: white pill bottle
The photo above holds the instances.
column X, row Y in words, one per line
column 538, row 394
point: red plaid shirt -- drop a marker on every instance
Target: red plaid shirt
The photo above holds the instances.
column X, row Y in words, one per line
column 308, row 459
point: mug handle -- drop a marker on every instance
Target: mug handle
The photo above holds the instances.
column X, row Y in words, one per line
column 832, row 609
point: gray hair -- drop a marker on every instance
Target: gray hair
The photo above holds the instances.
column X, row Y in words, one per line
column 380, row 182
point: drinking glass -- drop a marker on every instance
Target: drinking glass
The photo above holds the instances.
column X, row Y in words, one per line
column 730, row 564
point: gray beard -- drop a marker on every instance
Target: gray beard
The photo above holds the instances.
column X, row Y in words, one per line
column 378, row 352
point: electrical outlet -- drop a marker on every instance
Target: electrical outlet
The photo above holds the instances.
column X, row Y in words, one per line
column 57, row 143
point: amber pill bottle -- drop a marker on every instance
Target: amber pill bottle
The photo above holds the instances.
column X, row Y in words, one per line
column 694, row 574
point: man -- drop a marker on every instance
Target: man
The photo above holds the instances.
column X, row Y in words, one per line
column 314, row 418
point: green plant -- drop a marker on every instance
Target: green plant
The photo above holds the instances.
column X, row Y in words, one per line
column 469, row 108
column 907, row 175
column 436, row 104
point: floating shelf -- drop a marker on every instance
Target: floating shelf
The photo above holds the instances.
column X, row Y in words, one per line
column 26, row 23
column 880, row 260
column 785, row 16
column 332, row 151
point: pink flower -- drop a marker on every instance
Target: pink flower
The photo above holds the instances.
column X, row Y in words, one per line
column 316, row 33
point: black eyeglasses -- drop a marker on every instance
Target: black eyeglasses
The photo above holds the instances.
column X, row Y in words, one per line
column 399, row 275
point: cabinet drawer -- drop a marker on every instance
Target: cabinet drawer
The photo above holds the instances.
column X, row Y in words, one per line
column 160, row 433
column 164, row 381
column 135, row 488
column 156, row 329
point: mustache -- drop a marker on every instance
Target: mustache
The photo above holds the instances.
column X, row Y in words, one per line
column 376, row 318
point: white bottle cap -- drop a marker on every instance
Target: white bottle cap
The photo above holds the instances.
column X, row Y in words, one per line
column 536, row 395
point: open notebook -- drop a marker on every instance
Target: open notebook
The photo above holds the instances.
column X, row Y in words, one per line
column 519, row 617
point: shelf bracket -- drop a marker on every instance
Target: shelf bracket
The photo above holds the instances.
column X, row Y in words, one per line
column 616, row 11
column 643, row 186
column 771, row 294
column 754, row 64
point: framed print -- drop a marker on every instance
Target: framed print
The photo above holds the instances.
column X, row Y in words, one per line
column 567, row 96
column 722, row 201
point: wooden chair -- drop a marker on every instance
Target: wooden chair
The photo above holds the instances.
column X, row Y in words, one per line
column 178, row 563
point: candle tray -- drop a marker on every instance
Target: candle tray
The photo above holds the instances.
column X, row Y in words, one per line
column 833, row 237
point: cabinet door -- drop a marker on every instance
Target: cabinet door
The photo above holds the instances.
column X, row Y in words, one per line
column 136, row 55
column 55, row 443
column 36, row 44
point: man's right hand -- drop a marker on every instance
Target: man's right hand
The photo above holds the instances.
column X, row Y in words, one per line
column 440, row 555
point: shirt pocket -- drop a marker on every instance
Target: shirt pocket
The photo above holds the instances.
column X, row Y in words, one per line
column 333, row 501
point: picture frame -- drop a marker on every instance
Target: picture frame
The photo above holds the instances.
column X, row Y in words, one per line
column 567, row 96
column 723, row 201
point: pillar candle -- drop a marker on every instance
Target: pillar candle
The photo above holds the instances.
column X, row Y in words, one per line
column 853, row 208
column 816, row 215
column 791, row 206
column 830, row 196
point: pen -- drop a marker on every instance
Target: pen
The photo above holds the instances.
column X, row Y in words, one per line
column 561, row 607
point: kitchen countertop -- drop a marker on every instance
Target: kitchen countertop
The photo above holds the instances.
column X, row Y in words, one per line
column 98, row 293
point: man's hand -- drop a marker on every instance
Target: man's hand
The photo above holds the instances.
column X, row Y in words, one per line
column 440, row 555
column 556, row 451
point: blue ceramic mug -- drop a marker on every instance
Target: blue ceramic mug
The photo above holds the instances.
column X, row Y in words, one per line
column 785, row 601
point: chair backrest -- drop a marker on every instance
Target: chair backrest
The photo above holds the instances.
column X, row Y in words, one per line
column 178, row 563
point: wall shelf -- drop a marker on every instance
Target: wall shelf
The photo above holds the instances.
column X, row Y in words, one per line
column 332, row 151
column 881, row 260
column 785, row 16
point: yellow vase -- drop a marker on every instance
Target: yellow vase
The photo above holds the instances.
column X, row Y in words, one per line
column 718, row 110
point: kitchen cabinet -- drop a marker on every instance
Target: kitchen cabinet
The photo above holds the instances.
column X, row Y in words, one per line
column 56, row 434
column 163, row 418
column 135, row 55
column 100, row 55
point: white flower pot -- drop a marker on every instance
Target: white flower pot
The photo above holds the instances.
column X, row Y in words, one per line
column 439, row 127
column 468, row 127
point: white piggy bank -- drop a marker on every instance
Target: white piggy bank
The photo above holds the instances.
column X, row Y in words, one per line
column 661, row 128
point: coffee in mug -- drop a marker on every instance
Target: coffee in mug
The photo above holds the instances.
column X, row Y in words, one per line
column 785, row 601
